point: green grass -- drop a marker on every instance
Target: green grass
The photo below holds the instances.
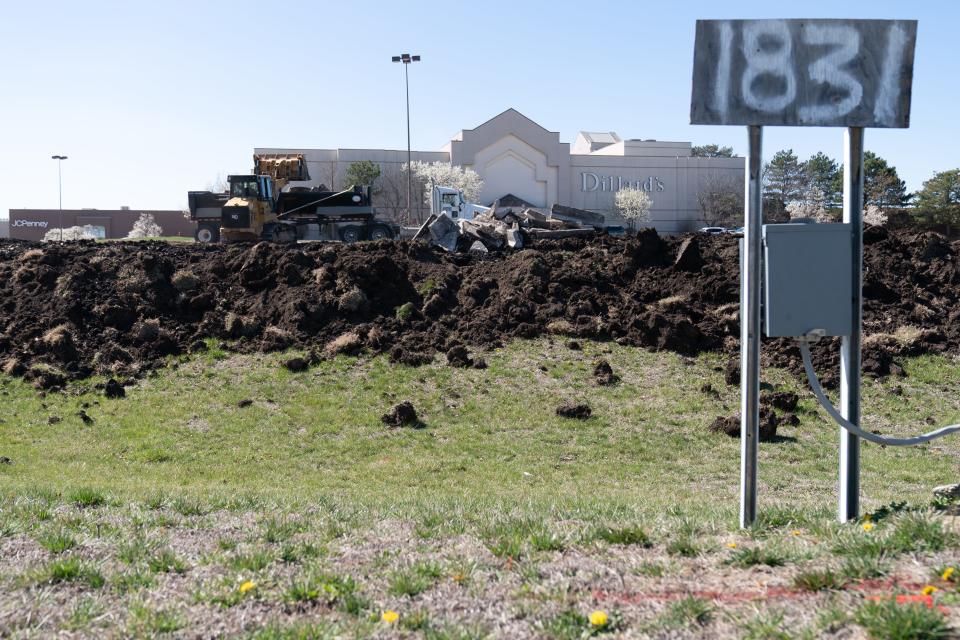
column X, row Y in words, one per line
column 889, row 620
column 758, row 555
column 166, row 561
column 276, row 491
column 57, row 541
column 71, row 569
column 687, row 612
column 500, row 450
column 630, row 535
column 415, row 579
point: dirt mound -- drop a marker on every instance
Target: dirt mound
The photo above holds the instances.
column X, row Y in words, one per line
column 603, row 374
column 575, row 411
column 120, row 309
column 402, row 415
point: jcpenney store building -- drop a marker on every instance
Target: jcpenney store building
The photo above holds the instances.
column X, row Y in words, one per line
column 515, row 155
column 33, row 224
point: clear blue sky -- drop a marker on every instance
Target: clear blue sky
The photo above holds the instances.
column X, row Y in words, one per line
column 152, row 99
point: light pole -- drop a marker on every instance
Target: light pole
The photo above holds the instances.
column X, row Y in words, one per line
column 60, row 160
column 406, row 59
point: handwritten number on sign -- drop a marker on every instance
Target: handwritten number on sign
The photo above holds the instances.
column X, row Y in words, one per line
column 767, row 48
column 828, row 69
column 769, row 81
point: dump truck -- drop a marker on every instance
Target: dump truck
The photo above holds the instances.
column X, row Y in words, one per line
column 451, row 203
column 258, row 207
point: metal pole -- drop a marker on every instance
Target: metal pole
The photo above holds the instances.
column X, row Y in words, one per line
column 406, row 75
column 60, row 190
column 750, row 329
column 849, row 507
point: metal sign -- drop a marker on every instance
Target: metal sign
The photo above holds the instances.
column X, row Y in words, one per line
column 850, row 73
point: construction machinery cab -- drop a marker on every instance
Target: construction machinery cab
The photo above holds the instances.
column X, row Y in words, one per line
column 257, row 187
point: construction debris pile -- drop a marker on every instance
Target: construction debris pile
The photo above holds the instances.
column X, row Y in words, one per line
column 121, row 309
column 512, row 226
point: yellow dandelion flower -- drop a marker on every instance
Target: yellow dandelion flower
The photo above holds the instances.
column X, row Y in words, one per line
column 947, row 574
column 731, row 545
column 867, row 526
column 599, row 618
column 929, row 590
column 795, row 532
column 389, row 616
column 247, row 586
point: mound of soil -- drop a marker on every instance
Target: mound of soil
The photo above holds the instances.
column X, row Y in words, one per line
column 402, row 415
column 575, row 411
column 603, row 374
column 120, row 309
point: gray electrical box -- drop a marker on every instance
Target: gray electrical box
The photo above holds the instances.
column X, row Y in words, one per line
column 808, row 281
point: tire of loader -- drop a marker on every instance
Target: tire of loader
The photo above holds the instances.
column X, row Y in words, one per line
column 351, row 234
column 206, row 234
column 381, row 232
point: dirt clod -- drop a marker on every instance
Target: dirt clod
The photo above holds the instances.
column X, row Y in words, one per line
column 296, row 364
column 113, row 389
column 573, row 410
column 730, row 425
column 401, row 415
column 603, row 374
column 84, row 417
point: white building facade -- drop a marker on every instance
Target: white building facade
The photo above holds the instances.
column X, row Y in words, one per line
column 514, row 155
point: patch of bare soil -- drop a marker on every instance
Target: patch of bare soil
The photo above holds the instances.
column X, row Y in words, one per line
column 73, row 310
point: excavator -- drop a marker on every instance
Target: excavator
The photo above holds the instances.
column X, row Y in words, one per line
column 256, row 207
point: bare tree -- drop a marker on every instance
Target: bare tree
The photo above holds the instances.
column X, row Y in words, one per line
column 721, row 201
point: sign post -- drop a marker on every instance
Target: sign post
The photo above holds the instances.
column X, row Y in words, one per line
column 750, row 328
column 823, row 73
column 849, row 507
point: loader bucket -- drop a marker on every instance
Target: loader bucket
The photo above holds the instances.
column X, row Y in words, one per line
column 281, row 166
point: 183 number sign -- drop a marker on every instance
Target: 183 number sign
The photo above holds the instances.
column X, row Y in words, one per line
column 850, row 73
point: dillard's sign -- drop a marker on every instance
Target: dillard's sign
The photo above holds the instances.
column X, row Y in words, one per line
column 30, row 223
column 594, row 182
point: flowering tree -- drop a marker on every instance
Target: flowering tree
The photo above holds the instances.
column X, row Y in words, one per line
column 70, row 233
column 874, row 215
column 633, row 205
column 813, row 205
column 145, row 227
column 443, row 174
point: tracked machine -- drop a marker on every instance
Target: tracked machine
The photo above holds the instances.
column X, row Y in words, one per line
column 257, row 207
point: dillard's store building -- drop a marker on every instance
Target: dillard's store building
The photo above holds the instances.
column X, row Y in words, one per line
column 515, row 155
column 32, row 224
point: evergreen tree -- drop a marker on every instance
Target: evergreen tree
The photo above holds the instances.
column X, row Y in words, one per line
column 712, row 151
column 784, row 180
column 822, row 172
column 882, row 186
column 939, row 200
column 363, row 173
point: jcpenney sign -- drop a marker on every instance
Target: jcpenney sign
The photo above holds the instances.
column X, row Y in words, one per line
column 595, row 182
column 30, row 223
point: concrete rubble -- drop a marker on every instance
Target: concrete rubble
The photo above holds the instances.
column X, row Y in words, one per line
column 509, row 227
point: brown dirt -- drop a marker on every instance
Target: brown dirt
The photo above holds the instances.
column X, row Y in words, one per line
column 402, row 415
column 575, row 411
column 119, row 309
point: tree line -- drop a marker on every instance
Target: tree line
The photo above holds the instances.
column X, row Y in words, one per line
column 813, row 188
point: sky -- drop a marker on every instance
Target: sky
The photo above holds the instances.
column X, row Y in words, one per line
column 150, row 100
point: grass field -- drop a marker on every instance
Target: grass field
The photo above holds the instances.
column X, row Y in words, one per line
column 228, row 496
